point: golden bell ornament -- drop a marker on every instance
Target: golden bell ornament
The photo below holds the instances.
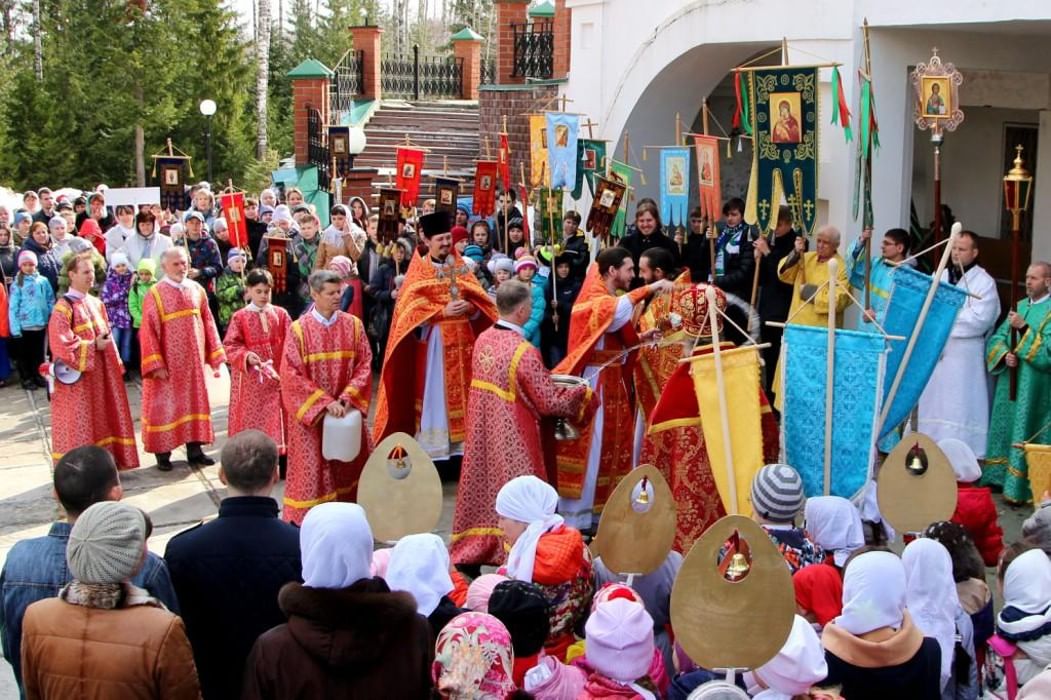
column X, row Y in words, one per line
column 643, row 498
column 916, row 465
column 739, row 567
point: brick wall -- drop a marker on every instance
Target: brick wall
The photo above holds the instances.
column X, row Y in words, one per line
column 307, row 93
column 508, row 12
column 562, row 30
column 494, row 102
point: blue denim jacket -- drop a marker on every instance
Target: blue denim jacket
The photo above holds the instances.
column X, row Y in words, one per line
column 36, row 569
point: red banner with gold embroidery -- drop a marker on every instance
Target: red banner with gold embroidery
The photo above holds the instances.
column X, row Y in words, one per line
column 708, row 181
column 505, row 162
column 233, row 206
column 485, row 187
column 409, row 169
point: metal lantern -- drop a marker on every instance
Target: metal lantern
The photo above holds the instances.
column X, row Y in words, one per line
column 1018, row 186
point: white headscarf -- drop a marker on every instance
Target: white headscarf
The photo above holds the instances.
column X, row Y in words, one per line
column 835, row 525
column 931, row 596
column 529, row 500
column 1027, row 590
column 873, row 593
column 336, row 545
column 420, row 565
column 799, row 665
column 962, row 458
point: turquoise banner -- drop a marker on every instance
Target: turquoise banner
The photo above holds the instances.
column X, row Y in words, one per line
column 857, row 392
column 907, row 294
column 562, row 130
column 785, row 153
column 675, row 186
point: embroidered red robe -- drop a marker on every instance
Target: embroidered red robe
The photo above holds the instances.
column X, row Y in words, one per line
column 675, row 445
column 179, row 336
column 322, row 364
column 255, row 396
column 510, row 391
column 94, row 410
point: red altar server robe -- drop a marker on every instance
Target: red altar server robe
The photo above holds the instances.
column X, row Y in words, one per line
column 255, row 397
column 510, row 391
column 94, row 410
column 322, row 364
column 177, row 335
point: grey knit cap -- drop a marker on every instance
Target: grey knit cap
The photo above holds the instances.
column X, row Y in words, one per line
column 106, row 543
column 777, row 493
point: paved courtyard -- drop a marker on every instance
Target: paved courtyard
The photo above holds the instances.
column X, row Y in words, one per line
column 175, row 500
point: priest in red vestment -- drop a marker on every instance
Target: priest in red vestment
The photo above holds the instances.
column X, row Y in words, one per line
column 675, row 440
column 178, row 339
column 600, row 329
column 427, row 368
column 327, row 369
column 93, row 410
column 255, row 344
column 510, row 391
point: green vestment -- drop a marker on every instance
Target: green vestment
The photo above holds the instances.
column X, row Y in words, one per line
column 1013, row 422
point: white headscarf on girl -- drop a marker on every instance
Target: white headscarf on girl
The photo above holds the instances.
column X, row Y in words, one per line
column 529, row 500
column 336, row 545
column 931, row 596
column 873, row 593
column 799, row 665
column 834, row 524
column 420, row 565
column 1026, row 616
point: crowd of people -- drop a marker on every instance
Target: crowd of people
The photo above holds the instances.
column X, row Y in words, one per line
column 536, row 374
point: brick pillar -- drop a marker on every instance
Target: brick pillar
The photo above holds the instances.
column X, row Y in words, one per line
column 563, row 31
column 310, row 83
column 367, row 40
column 508, row 12
column 358, row 183
column 468, row 46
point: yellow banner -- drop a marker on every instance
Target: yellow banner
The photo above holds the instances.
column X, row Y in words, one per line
column 741, row 382
column 538, row 174
column 1038, row 459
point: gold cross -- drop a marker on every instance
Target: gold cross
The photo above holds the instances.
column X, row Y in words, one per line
column 764, row 208
column 808, row 206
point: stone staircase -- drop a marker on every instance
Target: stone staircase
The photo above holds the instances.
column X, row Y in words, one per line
column 449, row 130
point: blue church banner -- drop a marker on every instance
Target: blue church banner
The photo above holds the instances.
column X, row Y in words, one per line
column 675, row 186
column 857, row 393
column 562, row 130
column 907, row 294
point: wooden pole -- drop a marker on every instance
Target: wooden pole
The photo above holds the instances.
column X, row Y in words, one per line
column 724, row 418
column 830, row 371
column 1016, row 244
column 868, row 175
column 914, row 337
column 936, row 138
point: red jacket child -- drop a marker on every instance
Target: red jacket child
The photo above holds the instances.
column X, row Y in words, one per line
column 975, row 509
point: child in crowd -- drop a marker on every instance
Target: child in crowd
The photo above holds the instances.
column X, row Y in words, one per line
column 230, row 288
column 115, row 293
column 619, row 650
column 501, row 268
column 342, row 238
column 139, row 288
column 975, row 509
column 561, row 296
column 460, row 239
column 29, row 309
column 344, row 267
column 1021, row 647
column 305, row 247
column 525, row 269
column 777, row 498
column 254, row 343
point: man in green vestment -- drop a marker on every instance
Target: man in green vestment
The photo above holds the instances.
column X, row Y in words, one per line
column 1027, row 417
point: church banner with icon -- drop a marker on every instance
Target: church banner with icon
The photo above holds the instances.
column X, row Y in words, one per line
column 857, row 394
column 675, row 186
column 446, row 191
column 562, row 130
column 622, row 173
column 604, row 208
column 539, row 175
column 484, row 200
column 549, row 214
column 591, row 159
column 233, row 206
column 709, row 185
column 409, row 170
column 785, row 147
column 504, row 158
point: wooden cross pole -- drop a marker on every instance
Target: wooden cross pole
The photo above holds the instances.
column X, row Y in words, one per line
column 589, row 124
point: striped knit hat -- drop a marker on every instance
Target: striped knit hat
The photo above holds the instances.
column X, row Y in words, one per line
column 777, row 493
column 106, row 543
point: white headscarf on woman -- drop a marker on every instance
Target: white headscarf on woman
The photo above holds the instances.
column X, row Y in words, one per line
column 529, row 500
column 799, row 665
column 336, row 545
column 930, row 596
column 873, row 593
column 1026, row 616
column 834, row 524
column 420, row 565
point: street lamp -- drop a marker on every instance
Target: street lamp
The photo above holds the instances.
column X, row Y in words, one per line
column 1018, row 186
column 356, row 143
column 207, row 108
